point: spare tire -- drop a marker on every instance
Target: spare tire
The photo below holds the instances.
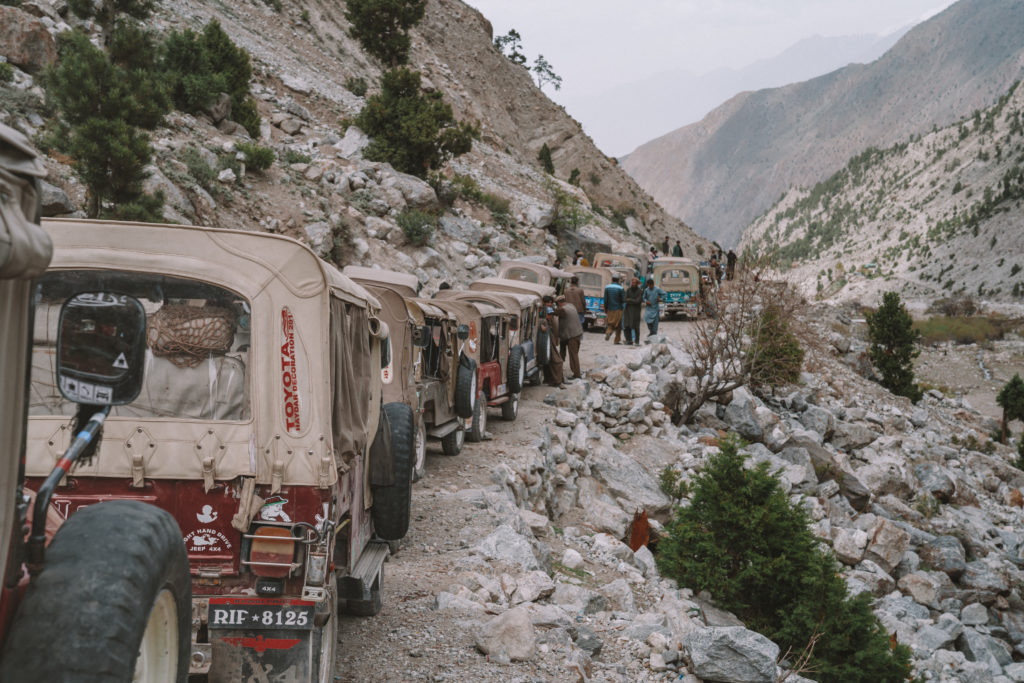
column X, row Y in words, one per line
column 516, row 369
column 465, row 387
column 113, row 602
column 392, row 504
column 542, row 347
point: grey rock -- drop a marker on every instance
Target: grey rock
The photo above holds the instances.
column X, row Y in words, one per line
column 927, row 588
column 586, row 639
column 173, row 196
column 974, row 614
column 733, row 654
column 220, row 108
column 532, row 586
column 505, row 545
column 945, row 554
column 936, row 480
column 55, row 202
column 625, row 478
column 510, row 633
column 740, row 415
column 981, row 577
column 818, row 419
column 849, row 545
column 320, row 237
column 24, row 40
column 461, row 228
column 578, row 599
column 291, row 126
column 353, row 144
column 600, row 513
column 979, row 647
column 853, row 435
column 887, row 545
column 296, row 84
column 930, row 637
column 620, row 595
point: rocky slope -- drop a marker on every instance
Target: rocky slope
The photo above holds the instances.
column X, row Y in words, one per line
column 321, row 189
column 720, row 173
column 938, row 215
column 515, row 568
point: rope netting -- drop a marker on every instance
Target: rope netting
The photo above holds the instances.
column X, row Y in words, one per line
column 186, row 335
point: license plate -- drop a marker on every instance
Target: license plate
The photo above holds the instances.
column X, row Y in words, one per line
column 246, row 613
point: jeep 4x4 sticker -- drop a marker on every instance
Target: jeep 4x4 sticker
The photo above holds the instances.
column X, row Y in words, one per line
column 289, row 375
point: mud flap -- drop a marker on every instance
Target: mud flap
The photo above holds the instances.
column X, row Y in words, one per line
column 382, row 465
column 252, row 655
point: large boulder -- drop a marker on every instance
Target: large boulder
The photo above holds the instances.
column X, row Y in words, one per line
column 741, row 417
column 731, row 654
column 510, row 633
column 626, row 479
column 818, row 419
column 944, row 554
column 887, row 545
column 55, row 202
column 25, row 41
column 936, row 480
column 417, row 192
column 505, row 545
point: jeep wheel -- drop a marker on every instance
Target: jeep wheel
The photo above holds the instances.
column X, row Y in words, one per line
column 113, row 603
column 542, row 348
column 510, row 408
column 451, row 443
column 465, row 388
column 391, row 504
column 420, row 451
column 325, row 637
column 516, row 370
column 479, row 424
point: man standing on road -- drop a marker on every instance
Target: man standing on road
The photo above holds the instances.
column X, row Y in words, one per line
column 571, row 333
column 631, row 314
column 574, row 295
column 730, row 264
column 614, row 302
column 677, row 250
column 653, row 297
column 664, row 246
column 553, row 370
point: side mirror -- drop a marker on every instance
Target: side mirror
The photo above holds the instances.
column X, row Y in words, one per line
column 421, row 336
column 462, row 332
column 513, row 323
column 101, row 348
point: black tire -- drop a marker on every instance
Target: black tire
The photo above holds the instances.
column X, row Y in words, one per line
column 516, row 369
column 465, row 388
column 325, row 637
column 542, row 348
column 451, row 443
column 110, row 568
column 392, row 504
column 366, row 608
column 479, row 424
column 510, row 408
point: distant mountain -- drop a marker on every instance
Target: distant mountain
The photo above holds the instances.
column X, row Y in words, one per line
column 935, row 216
column 720, row 173
column 664, row 101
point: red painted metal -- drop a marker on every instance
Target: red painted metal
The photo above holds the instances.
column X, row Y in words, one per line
column 261, row 644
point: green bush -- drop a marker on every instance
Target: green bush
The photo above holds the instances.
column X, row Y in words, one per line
column 203, row 173
column 417, row 226
column 892, row 351
column 412, row 130
column 6, row 72
column 544, row 157
column 257, row 158
column 382, row 26
column 740, row 539
column 775, row 353
column 99, row 118
column 198, row 67
column 1011, row 399
column 356, row 85
column 293, row 157
column 574, row 177
column 971, row 330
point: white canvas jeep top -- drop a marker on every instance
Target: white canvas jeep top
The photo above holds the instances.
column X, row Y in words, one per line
column 262, row 359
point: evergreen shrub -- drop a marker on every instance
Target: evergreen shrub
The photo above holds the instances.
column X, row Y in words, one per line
column 417, row 226
column 892, row 351
column 257, row 158
column 775, row 353
column 741, row 540
column 382, row 26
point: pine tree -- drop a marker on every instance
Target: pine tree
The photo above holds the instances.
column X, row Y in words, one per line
column 893, row 350
column 1011, row 400
column 382, row 26
column 544, row 157
column 740, row 539
column 107, row 13
column 102, row 107
column 412, row 130
column 514, row 43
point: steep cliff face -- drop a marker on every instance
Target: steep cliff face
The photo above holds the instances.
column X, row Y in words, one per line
column 307, row 71
column 936, row 216
column 720, row 173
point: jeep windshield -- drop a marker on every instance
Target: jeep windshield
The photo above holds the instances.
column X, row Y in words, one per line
column 197, row 345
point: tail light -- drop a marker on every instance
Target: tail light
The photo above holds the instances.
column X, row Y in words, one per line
column 272, row 553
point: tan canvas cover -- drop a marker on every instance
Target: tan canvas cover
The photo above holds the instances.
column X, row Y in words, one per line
column 606, row 260
column 295, row 430
column 24, row 252
column 405, row 284
column 465, row 313
column 598, row 279
column 666, row 264
column 497, row 284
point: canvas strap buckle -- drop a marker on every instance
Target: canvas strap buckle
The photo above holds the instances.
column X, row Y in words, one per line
column 138, row 471
column 208, row 474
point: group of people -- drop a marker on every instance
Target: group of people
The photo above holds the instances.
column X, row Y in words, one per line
column 622, row 308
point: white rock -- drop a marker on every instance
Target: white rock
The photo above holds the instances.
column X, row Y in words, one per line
column 572, row 559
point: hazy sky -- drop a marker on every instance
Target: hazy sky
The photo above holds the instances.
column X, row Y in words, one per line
column 597, row 44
